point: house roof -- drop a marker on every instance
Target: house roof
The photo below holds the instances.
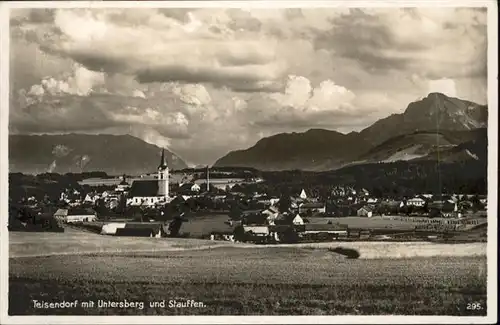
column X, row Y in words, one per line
column 153, row 226
column 134, row 232
column 312, row 205
column 368, row 208
column 144, row 188
column 61, row 213
column 280, row 228
column 446, row 206
column 321, row 227
column 257, row 229
column 76, row 211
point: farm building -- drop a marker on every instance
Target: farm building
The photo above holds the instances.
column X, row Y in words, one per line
column 257, row 230
column 61, row 214
column 416, row 202
column 445, row 209
column 111, row 228
column 256, row 234
column 312, row 207
column 326, row 228
column 139, row 232
column 365, row 211
column 73, row 215
column 222, row 235
column 321, row 231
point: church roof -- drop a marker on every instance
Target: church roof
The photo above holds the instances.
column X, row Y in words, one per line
column 144, row 188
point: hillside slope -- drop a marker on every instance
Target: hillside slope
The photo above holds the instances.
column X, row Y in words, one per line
column 315, row 149
column 113, row 154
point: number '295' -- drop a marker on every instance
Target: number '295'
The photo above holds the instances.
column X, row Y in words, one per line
column 474, row 306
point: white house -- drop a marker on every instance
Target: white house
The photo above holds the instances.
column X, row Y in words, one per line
column 257, row 230
column 110, row 228
column 274, row 201
column 365, row 211
column 195, row 188
column 416, row 202
column 272, row 213
column 297, row 220
column 91, row 198
column 75, row 215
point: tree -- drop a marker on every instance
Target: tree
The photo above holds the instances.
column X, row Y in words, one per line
column 175, row 226
column 235, row 212
column 284, row 203
column 239, row 233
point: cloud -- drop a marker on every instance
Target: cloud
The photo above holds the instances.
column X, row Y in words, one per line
column 301, row 105
column 422, row 41
column 445, row 86
column 81, row 82
column 201, row 50
column 205, row 81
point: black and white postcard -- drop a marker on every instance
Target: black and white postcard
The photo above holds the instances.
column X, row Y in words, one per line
column 248, row 162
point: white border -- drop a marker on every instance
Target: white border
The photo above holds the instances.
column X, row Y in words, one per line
column 491, row 318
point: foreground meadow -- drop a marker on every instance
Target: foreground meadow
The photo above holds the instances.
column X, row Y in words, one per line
column 243, row 281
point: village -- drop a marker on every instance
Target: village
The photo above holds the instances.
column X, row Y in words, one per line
column 170, row 204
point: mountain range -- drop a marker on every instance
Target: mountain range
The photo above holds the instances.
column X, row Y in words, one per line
column 436, row 127
column 76, row 153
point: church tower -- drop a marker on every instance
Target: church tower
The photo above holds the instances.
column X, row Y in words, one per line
column 163, row 176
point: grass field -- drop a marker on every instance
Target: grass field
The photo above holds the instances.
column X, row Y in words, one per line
column 233, row 280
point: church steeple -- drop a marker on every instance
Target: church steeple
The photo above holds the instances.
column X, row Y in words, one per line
column 163, row 162
column 163, row 176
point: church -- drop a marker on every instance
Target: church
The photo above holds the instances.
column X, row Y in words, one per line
column 151, row 192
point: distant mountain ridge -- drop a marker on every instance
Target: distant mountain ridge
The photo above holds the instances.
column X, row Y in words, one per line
column 436, row 124
column 113, row 154
column 308, row 150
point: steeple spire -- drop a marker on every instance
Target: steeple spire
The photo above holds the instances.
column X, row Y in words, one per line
column 163, row 162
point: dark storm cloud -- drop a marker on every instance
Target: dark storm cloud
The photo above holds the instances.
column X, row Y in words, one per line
column 32, row 16
column 373, row 41
column 243, row 80
column 364, row 37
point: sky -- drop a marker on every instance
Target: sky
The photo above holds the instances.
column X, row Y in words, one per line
column 204, row 81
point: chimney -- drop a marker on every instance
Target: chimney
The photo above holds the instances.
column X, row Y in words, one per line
column 208, row 179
